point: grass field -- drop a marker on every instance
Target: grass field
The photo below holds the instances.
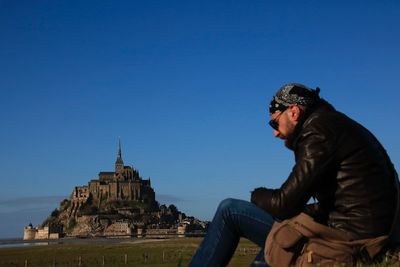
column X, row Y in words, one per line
column 164, row 253
column 147, row 253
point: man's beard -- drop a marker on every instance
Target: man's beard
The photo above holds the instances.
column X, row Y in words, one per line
column 289, row 142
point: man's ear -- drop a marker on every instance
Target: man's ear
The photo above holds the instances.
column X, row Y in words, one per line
column 296, row 113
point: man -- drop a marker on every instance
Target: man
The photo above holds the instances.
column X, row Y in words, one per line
column 339, row 163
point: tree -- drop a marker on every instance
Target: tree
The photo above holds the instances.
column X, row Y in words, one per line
column 71, row 224
column 65, row 204
column 173, row 209
column 55, row 213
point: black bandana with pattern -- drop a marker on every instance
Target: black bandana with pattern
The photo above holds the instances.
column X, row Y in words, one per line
column 293, row 94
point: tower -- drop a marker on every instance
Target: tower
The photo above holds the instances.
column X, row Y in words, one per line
column 119, row 164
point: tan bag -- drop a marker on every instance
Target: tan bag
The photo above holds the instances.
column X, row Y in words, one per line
column 300, row 241
column 283, row 245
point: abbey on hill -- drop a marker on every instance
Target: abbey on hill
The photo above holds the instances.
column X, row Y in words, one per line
column 124, row 184
column 118, row 203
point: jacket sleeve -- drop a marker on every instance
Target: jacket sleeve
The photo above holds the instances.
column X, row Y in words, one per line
column 314, row 152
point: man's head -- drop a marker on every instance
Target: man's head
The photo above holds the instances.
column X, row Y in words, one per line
column 287, row 107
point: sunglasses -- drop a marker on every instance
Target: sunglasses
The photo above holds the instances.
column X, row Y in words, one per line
column 275, row 122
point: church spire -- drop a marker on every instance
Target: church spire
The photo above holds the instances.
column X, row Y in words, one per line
column 119, row 149
column 119, row 164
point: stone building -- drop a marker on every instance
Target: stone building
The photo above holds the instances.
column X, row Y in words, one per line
column 119, row 228
column 40, row 233
column 122, row 184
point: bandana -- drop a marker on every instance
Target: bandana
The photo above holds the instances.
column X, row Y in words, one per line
column 293, row 94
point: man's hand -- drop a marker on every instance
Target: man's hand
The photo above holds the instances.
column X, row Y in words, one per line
column 260, row 196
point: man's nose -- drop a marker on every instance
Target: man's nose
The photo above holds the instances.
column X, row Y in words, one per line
column 276, row 133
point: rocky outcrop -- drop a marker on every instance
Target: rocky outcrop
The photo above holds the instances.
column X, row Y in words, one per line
column 88, row 226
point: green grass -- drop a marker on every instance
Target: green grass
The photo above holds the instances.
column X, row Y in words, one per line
column 164, row 253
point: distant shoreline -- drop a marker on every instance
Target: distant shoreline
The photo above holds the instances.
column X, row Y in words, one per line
column 10, row 240
column 65, row 240
column 15, row 242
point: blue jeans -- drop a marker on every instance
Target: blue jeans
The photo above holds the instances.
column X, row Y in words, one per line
column 233, row 219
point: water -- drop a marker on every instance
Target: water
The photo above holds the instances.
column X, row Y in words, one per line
column 13, row 245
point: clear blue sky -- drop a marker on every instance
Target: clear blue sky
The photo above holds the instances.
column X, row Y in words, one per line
column 185, row 85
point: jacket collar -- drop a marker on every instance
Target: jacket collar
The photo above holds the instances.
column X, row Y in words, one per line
column 320, row 106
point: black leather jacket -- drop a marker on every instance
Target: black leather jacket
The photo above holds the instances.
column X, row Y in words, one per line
column 343, row 166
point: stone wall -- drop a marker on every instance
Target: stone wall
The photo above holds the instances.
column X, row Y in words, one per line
column 37, row 233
